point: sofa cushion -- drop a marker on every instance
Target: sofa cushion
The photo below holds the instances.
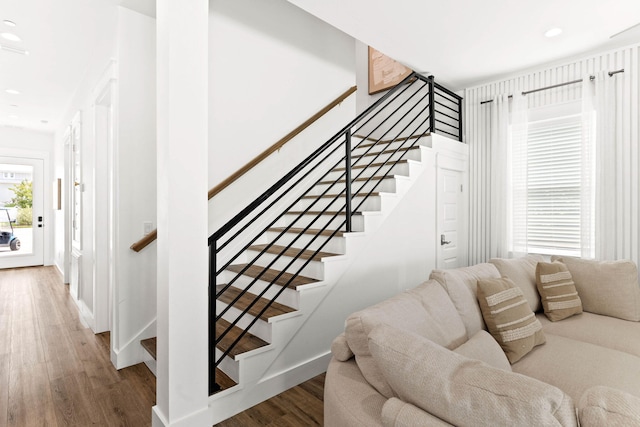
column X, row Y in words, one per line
column 425, row 310
column 557, row 291
column 349, row 400
column 605, row 331
column 606, row 287
column 575, row 366
column 522, row 271
column 461, row 284
column 483, row 347
column 396, row 413
column 605, row 406
column 462, row 391
column 509, row 317
column 340, row 348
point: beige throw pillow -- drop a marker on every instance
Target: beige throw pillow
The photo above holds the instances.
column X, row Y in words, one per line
column 509, row 317
column 606, row 287
column 557, row 291
column 462, row 391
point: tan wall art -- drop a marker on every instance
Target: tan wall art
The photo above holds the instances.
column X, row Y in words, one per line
column 384, row 72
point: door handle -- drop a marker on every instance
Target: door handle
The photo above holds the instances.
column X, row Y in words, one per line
column 442, row 241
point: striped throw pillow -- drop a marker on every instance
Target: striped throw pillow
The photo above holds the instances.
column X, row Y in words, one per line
column 557, row 291
column 508, row 317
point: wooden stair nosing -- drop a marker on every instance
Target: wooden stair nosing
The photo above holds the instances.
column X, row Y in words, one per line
column 292, row 252
column 370, row 178
column 307, row 231
column 373, row 165
column 320, row 213
column 270, row 274
column 415, row 147
column 326, row 196
column 388, row 141
column 276, row 309
column 248, row 342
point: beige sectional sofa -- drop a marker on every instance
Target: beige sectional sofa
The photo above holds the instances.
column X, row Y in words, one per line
column 425, row 357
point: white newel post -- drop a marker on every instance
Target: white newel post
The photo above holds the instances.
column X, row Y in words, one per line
column 182, row 77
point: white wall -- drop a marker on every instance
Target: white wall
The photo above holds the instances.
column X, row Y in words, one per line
column 135, row 186
column 25, row 143
column 272, row 66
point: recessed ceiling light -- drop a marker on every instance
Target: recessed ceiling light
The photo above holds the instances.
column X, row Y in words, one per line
column 12, row 91
column 11, row 37
column 553, row 32
column 9, row 23
column 44, row 122
column 14, row 105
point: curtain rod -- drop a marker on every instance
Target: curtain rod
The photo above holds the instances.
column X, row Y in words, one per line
column 611, row 73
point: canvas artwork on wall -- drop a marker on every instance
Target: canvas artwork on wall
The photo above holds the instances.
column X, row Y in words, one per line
column 384, row 72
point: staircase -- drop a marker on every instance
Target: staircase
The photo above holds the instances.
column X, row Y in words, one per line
column 273, row 265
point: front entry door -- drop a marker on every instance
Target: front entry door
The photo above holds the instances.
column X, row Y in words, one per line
column 21, row 212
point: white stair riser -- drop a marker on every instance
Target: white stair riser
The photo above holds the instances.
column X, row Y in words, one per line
column 413, row 154
column 357, row 222
column 335, row 245
column 288, row 297
column 357, row 187
column 312, row 269
column 261, row 329
column 392, row 169
column 372, row 203
column 381, row 147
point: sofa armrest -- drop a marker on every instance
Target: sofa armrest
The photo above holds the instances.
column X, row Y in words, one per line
column 396, row 413
column 600, row 406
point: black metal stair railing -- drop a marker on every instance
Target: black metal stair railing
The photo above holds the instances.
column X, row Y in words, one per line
column 387, row 131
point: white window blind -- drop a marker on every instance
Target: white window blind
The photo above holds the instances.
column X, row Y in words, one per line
column 553, row 185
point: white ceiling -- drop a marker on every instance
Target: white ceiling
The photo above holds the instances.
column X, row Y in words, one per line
column 465, row 42
column 462, row 42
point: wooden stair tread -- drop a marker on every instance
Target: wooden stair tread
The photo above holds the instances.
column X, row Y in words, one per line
column 389, row 141
column 247, row 343
column 327, row 196
column 356, row 156
column 276, row 309
column 308, row 231
column 370, row 178
column 223, row 381
column 150, row 344
column 320, row 212
column 270, row 275
column 373, row 165
column 292, row 252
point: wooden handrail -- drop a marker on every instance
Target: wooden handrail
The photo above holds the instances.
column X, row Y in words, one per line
column 146, row 240
column 142, row 243
column 278, row 145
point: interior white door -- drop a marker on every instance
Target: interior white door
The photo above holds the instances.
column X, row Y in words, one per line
column 449, row 202
column 21, row 212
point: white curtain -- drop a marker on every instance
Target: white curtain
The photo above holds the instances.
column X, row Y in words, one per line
column 499, row 178
column 519, row 185
column 600, row 165
column 608, row 189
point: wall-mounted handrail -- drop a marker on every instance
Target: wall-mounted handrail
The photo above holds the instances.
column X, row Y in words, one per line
column 149, row 238
column 412, row 110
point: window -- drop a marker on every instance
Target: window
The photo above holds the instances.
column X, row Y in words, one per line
column 554, row 184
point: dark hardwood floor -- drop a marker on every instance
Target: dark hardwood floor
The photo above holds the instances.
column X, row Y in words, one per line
column 53, row 370
column 56, row 372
